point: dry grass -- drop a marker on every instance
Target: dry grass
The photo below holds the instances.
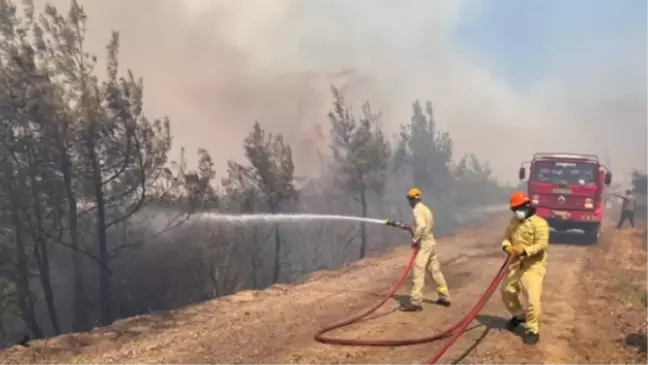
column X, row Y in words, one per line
column 593, row 313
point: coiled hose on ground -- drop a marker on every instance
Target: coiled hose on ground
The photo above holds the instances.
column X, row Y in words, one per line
column 454, row 332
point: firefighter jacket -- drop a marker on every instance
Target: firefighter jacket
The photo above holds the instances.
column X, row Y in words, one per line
column 532, row 234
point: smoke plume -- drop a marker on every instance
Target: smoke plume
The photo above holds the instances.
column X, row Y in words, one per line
column 215, row 66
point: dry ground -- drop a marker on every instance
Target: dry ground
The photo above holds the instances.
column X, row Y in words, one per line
column 594, row 312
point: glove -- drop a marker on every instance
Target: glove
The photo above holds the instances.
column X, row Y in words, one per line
column 398, row 224
column 415, row 244
column 514, row 250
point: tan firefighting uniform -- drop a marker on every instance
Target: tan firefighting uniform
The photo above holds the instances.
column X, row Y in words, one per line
column 426, row 258
column 526, row 273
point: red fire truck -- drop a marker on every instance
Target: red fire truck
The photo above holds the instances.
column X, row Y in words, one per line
column 567, row 190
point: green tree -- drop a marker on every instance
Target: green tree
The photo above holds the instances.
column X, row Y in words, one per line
column 32, row 203
column 121, row 155
column 199, row 183
column 361, row 155
column 266, row 185
column 273, row 171
column 243, row 196
column 425, row 151
column 475, row 184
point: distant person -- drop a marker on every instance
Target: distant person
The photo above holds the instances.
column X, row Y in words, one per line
column 526, row 239
column 628, row 208
column 426, row 257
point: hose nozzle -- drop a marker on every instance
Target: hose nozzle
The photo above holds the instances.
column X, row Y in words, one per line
column 398, row 224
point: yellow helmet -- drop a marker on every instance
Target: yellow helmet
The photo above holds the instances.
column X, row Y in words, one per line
column 414, row 193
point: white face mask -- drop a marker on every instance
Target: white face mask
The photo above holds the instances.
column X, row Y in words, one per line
column 520, row 214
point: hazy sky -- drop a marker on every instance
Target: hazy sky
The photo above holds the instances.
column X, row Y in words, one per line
column 524, row 39
column 508, row 78
column 593, row 51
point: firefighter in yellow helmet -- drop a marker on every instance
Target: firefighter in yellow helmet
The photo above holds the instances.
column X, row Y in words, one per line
column 426, row 259
column 527, row 240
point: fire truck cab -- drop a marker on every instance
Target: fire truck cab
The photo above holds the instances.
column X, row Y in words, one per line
column 567, row 190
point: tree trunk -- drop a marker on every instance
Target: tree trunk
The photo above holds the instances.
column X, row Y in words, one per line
column 41, row 254
column 382, row 213
column 3, row 332
column 44, row 274
column 21, row 275
column 363, row 226
column 105, row 314
column 25, row 302
column 254, row 258
column 277, row 255
column 80, row 322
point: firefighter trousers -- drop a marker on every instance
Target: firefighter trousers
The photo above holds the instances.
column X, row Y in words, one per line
column 528, row 282
column 427, row 260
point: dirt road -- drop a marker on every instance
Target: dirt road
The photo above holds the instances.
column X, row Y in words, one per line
column 593, row 313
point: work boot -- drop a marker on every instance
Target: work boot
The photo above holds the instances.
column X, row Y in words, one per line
column 409, row 307
column 444, row 302
column 530, row 338
column 514, row 323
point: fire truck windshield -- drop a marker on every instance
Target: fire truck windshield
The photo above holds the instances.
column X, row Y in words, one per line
column 569, row 173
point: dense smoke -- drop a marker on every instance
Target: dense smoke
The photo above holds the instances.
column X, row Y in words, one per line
column 216, row 66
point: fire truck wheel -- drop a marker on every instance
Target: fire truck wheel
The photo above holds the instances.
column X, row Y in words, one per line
column 592, row 234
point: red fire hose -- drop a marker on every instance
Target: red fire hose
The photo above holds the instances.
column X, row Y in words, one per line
column 454, row 331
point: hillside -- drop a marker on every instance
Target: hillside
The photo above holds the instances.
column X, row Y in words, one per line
column 593, row 313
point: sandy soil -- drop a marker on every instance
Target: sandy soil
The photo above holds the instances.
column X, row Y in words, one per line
column 594, row 312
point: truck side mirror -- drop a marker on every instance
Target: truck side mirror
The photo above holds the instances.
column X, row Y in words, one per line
column 608, row 178
column 521, row 173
